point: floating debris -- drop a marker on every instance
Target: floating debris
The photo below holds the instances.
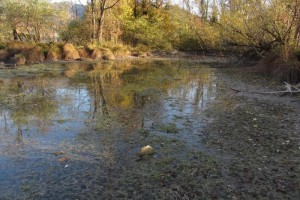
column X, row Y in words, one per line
column 63, row 159
column 57, row 153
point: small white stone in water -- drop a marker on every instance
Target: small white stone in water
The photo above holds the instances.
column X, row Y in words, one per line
column 146, row 150
column 66, row 166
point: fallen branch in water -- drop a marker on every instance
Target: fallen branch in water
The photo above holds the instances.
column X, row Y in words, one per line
column 277, row 92
column 236, row 90
column 289, row 89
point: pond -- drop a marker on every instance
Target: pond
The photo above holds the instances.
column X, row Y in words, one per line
column 69, row 130
column 74, row 131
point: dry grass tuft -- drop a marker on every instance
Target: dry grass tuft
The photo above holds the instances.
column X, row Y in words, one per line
column 107, row 54
column 97, row 54
column 18, row 45
column 4, row 55
column 55, row 53
column 121, row 51
column 83, row 53
column 18, row 59
column 34, row 55
column 70, row 52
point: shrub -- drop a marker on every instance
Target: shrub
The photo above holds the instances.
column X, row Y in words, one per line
column 274, row 65
column 288, row 72
column 55, row 53
column 77, row 32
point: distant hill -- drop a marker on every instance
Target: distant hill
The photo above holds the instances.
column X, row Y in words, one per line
column 78, row 10
column 75, row 10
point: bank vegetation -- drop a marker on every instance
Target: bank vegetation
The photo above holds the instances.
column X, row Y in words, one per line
column 265, row 30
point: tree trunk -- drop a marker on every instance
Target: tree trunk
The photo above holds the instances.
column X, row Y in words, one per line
column 37, row 35
column 297, row 35
column 100, row 27
column 135, row 9
column 100, row 19
column 93, row 19
column 144, row 7
column 15, row 34
column 285, row 51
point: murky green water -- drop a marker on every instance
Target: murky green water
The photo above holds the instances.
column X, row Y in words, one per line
column 73, row 130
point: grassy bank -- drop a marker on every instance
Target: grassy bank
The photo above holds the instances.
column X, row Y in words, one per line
column 20, row 53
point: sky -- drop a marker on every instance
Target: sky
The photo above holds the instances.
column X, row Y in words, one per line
column 84, row 1
column 75, row 1
column 180, row 2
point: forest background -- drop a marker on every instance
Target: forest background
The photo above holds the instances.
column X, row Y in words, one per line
column 258, row 29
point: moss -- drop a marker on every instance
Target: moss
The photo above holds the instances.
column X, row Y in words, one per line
column 170, row 128
column 61, row 121
column 2, row 46
column 144, row 132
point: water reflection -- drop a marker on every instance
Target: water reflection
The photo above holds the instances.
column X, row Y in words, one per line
column 137, row 94
column 93, row 112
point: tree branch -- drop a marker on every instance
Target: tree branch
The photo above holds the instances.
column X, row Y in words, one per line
column 109, row 7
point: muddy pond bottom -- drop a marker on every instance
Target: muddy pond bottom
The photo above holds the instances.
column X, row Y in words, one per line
column 74, row 131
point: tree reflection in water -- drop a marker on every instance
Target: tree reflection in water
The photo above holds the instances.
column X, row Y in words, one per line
column 94, row 112
column 127, row 88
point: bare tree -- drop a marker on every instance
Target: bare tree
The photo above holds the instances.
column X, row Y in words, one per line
column 99, row 7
